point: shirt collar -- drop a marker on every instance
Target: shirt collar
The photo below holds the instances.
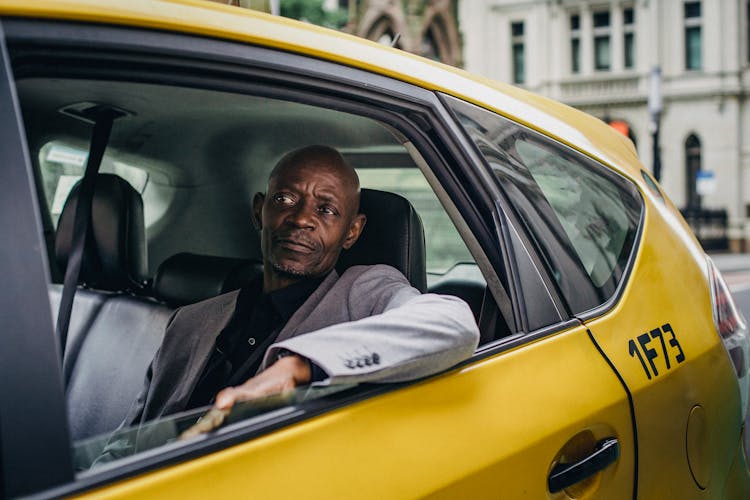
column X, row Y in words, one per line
column 287, row 300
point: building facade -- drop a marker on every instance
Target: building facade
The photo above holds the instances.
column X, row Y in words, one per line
column 425, row 27
column 600, row 55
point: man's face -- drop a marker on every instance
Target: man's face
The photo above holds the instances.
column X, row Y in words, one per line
column 307, row 216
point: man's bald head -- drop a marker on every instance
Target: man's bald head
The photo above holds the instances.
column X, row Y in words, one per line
column 309, row 213
column 319, row 156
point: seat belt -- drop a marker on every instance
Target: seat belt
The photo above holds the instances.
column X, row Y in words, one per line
column 103, row 117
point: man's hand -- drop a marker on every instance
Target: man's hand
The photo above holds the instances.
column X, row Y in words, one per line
column 284, row 375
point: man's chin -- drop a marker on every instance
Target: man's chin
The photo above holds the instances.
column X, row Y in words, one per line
column 291, row 272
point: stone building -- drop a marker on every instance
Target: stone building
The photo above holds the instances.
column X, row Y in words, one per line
column 425, row 27
column 598, row 55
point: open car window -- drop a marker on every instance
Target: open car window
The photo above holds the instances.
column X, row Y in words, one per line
column 196, row 157
column 446, row 253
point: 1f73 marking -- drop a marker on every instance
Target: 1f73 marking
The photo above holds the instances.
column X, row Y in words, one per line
column 670, row 348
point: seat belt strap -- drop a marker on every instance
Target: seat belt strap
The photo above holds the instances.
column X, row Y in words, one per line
column 82, row 219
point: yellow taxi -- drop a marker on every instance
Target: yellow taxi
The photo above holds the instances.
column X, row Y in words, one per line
column 612, row 362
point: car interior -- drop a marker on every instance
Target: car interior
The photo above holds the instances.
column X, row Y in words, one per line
column 170, row 221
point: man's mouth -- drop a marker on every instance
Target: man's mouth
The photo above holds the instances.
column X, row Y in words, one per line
column 293, row 244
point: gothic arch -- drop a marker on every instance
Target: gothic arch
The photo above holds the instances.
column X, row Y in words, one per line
column 439, row 28
column 384, row 18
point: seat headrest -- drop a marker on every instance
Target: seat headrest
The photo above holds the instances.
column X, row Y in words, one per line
column 186, row 278
column 393, row 235
column 114, row 256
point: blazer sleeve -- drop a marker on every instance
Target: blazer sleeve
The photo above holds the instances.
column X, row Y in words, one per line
column 397, row 335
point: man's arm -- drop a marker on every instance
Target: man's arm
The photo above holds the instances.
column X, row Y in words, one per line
column 398, row 335
column 414, row 338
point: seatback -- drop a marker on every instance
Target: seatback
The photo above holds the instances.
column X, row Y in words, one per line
column 393, row 235
column 115, row 255
column 113, row 335
column 186, row 278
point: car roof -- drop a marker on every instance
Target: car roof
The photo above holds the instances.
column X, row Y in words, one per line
column 568, row 125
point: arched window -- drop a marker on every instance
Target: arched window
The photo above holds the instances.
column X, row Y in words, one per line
column 692, row 167
column 430, row 46
column 383, row 31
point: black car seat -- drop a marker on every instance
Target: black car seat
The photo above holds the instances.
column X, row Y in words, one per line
column 186, row 278
column 393, row 235
column 113, row 334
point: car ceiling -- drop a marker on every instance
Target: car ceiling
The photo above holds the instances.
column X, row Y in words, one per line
column 206, row 152
column 189, row 137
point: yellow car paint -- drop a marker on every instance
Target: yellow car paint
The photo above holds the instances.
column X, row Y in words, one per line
column 455, row 436
column 473, row 410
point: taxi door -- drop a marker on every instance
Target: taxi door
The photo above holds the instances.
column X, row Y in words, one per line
column 662, row 341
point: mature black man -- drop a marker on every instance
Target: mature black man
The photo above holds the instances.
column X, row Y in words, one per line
column 301, row 322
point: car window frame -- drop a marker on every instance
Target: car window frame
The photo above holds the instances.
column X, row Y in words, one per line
column 413, row 108
column 34, row 439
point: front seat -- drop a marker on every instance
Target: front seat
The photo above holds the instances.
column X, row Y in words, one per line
column 393, row 235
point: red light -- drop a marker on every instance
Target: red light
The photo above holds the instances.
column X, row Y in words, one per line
column 621, row 126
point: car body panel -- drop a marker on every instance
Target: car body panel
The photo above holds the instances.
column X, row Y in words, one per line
column 667, row 260
column 465, row 434
column 495, row 426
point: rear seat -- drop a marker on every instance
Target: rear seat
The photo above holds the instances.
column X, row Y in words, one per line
column 114, row 333
column 117, row 324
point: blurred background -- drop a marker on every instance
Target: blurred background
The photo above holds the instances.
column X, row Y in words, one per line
column 672, row 75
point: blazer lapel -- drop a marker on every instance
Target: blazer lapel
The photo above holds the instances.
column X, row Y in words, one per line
column 212, row 318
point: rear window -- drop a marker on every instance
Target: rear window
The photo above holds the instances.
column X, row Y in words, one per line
column 582, row 217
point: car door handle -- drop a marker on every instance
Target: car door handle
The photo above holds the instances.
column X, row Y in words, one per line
column 564, row 475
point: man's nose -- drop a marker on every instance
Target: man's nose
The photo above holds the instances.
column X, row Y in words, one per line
column 302, row 216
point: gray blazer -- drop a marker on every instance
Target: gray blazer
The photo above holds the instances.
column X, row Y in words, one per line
column 367, row 325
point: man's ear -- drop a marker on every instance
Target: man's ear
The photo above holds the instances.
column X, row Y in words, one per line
column 258, row 200
column 355, row 229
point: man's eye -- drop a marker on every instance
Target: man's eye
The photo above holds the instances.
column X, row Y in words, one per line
column 327, row 210
column 283, row 199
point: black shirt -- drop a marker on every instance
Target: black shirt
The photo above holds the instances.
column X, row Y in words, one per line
column 239, row 348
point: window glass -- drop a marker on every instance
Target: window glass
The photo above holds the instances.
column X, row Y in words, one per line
column 628, row 16
column 652, row 185
column 693, row 36
column 519, row 63
column 629, row 59
column 692, row 167
column 629, row 38
column 575, row 22
column 62, row 165
column 98, row 451
column 444, row 247
column 197, row 157
column 575, row 43
column 602, row 55
column 582, row 217
column 588, row 207
column 692, row 9
column 575, row 55
column 693, row 48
